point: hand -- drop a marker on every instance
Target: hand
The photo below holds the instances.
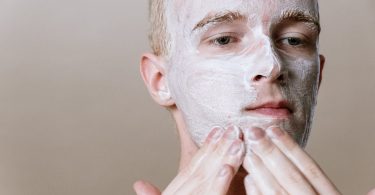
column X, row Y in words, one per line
column 372, row 192
column 278, row 165
column 210, row 171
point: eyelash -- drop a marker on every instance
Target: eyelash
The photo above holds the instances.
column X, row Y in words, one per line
column 294, row 40
column 230, row 40
column 215, row 40
column 289, row 40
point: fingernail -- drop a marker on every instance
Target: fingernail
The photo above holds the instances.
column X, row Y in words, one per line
column 233, row 132
column 254, row 133
column 236, row 148
column 275, row 132
column 217, row 134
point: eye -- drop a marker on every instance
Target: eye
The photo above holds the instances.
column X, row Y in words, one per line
column 225, row 40
column 221, row 43
column 293, row 41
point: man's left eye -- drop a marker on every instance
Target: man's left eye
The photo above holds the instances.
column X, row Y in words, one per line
column 293, row 41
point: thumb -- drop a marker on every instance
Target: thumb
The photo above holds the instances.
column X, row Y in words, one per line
column 145, row 188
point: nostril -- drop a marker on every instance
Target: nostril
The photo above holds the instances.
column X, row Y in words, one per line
column 258, row 78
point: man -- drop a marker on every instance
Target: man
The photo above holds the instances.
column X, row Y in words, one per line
column 240, row 78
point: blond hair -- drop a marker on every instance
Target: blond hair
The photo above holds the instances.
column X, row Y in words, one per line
column 158, row 36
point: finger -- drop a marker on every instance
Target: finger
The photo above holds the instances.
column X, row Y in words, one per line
column 226, row 158
column 222, row 181
column 286, row 174
column 262, row 177
column 372, row 192
column 208, row 147
column 251, row 187
column 214, row 135
column 227, row 149
column 302, row 161
column 230, row 153
column 230, row 149
column 220, row 150
column 145, row 188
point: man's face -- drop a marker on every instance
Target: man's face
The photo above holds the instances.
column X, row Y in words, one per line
column 245, row 63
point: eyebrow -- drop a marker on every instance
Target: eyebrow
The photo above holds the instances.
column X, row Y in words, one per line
column 300, row 16
column 219, row 17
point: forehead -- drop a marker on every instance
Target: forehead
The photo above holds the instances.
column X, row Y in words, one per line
column 190, row 12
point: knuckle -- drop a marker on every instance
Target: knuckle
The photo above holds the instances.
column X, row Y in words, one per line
column 226, row 171
column 295, row 177
column 269, row 149
column 230, row 170
column 293, row 147
column 314, row 171
column 264, row 147
column 277, row 191
column 200, row 177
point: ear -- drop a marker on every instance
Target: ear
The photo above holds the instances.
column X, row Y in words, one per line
column 322, row 60
column 152, row 69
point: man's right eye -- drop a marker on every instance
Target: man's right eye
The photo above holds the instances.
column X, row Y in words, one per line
column 221, row 43
column 223, row 40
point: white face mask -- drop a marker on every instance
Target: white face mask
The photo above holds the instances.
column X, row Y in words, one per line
column 245, row 54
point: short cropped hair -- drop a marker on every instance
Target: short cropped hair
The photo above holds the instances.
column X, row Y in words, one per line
column 158, row 36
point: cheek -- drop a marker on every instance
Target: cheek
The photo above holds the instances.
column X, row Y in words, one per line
column 302, row 86
column 213, row 87
column 306, row 72
column 218, row 90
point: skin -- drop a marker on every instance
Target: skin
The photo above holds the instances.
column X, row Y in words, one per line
column 221, row 75
column 204, row 76
column 372, row 192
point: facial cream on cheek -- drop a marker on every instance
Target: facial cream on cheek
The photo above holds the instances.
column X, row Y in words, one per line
column 212, row 91
column 209, row 93
column 215, row 89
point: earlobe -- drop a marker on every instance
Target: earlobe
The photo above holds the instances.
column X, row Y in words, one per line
column 322, row 60
column 153, row 73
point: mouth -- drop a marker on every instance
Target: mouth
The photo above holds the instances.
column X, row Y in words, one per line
column 272, row 109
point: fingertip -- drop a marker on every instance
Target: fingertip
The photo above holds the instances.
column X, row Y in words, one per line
column 254, row 133
column 215, row 134
column 144, row 188
column 372, row 192
column 237, row 148
column 138, row 185
column 275, row 132
column 233, row 132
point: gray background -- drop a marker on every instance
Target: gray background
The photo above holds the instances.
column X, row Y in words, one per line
column 75, row 117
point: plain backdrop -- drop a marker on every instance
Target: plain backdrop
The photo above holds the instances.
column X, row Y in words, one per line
column 76, row 119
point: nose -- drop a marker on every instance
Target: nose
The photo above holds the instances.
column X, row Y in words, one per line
column 276, row 75
column 266, row 66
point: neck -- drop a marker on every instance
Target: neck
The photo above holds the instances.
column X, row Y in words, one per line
column 189, row 149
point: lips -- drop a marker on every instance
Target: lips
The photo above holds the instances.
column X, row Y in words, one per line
column 273, row 109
